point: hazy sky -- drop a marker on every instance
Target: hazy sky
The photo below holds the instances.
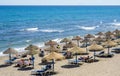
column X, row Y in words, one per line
column 59, row 2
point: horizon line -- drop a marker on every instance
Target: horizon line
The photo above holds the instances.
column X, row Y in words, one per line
column 56, row 5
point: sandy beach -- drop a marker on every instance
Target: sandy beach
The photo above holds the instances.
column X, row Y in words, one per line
column 105, row 67
column 58, row 26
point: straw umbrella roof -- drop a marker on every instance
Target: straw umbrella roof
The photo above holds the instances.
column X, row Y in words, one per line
column 116, row 31
column 77, row 38
column 117, row 40
column 109, row 33
column 53, row 55
column 95, row 47
column 109, row 43
column 86, row 40
column 32, row 52
column 70, row 45
column 32, row 47
column 100, row 33
column 10, row 51
column 89, row 36
column 65, row 40
column 52, row 49
column 99, row 39
column 50, row 42
column 77, row 49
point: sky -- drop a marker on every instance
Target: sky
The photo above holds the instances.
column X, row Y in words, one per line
column 59, row 2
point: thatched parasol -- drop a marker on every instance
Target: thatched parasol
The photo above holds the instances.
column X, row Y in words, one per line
column 77, row 50
column 117, row 33
column 10, row 51
column 70, row 45
column 99, row 39
column 51, row 43
column 109, row 44
column 100, row 33
column 117, row 41
column 32, row 47
column 52, row 49
column 86, row 40
column 94, row 48
column 108, row 34
column 77, row 38
column 89, row 36
column 65, row 40
column 53, row 56
column 32, row 50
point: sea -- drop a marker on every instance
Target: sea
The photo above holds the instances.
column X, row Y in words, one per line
column 24, row 25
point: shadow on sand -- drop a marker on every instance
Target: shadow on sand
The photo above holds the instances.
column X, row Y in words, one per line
column 45, row 74
column 25, row 68
column 46, row 63
column 70, row 66
column 4, row 65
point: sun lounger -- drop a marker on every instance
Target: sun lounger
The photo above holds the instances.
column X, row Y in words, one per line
column 84, row 59
column 105, row 55
column 74, row 61
column 43, row 71
column 116, row 50
column 100, row 53
column 10, row 61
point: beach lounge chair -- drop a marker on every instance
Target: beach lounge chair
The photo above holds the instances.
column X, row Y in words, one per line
column 10, row 61
column 43, row 71
column 116, row 50
column 73, row 61
column 106, row 55
column 100, row 53
column 86, row 59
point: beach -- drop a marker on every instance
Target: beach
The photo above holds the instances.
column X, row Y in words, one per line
column 105, row 67
column 40, row 24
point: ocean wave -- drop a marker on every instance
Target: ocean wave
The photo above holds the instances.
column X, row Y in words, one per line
column 28, row 41
column 87, row 27
column 31, row 29
column 1, row 54
column 20, row 49
column 57, row 40
column 42, row 30
column 50, row 30
column 115, row 24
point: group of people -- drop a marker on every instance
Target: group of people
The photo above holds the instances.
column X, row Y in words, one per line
column 25, row 62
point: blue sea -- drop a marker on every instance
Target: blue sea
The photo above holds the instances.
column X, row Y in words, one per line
column 23, row 25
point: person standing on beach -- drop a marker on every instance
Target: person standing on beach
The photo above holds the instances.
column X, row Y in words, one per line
column 41, row 53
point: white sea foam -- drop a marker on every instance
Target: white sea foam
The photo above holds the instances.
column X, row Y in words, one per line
column 41, row 44
column 115, row 20
column 88, row 27
column 31, row 29
column 35, row 29
column 51, row 30
column 115, row 23
column 57, row 40
column 20, row 49
column 1, row 54
column 28, row 41
column 101, row 22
